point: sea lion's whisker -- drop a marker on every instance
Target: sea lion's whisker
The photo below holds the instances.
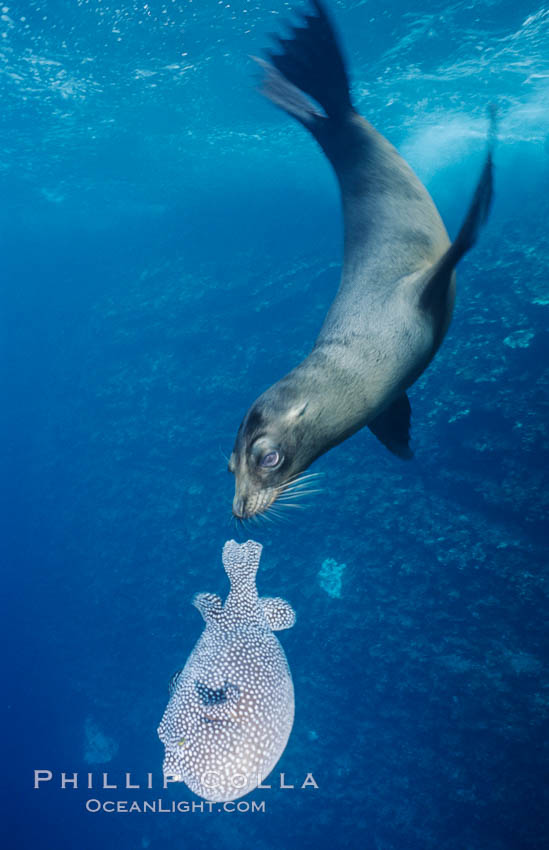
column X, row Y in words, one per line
column 244, row 521
column 299, row 479
column 292, row 497
column 303, row 489
column 304, row 481
column 298, row 486
column 296, row 494
column 284, row 517
column 275, row 513
column 293, row 504
column 303, row 476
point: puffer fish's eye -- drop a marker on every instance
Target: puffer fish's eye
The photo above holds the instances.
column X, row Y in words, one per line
column 210, row 696
column 271, row 459
column 215, row 696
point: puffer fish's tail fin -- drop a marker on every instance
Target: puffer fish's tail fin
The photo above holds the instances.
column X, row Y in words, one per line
column 241, row 560
column 310, row 66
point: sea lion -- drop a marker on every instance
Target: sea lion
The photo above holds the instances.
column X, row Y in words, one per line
column 396, row 295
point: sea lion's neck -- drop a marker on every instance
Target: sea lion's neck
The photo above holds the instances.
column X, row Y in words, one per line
column 340, row 399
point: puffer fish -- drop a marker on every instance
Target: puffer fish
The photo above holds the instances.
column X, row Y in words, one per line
column 231, row 708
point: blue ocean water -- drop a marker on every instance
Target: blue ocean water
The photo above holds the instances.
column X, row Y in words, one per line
column 170, row 244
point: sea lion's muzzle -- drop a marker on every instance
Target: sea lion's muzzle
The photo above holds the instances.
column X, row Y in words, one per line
column 248, row 504
column 239, row 508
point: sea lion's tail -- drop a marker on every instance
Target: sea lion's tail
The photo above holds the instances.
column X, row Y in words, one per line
column 310, row 66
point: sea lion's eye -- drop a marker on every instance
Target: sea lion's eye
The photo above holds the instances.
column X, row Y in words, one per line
column 270, row 460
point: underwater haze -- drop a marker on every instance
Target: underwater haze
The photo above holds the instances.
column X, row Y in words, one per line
column 170, row 244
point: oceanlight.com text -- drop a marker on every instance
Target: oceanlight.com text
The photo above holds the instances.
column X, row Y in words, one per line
column 173, row 806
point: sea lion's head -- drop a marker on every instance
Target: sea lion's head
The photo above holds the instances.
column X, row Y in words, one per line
column 272, row 448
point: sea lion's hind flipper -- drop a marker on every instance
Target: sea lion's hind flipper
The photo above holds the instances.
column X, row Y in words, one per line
column 288, row 97
column 310, row 64
column 434, row 285
column 392, row 427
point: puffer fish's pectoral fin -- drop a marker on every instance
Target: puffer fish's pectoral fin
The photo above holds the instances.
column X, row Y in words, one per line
column 174, row 681
column 209, row 605
column 241, row 560
column 278, row 613
column 433, row 286
column 392, row 427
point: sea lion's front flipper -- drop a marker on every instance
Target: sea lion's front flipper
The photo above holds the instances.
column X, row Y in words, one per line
column 392, row 427
column 433, row 286
column 278, row 613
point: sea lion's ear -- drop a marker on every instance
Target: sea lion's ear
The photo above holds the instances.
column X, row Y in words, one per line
column 209, row 605
column 278, row 613
column 298, row 410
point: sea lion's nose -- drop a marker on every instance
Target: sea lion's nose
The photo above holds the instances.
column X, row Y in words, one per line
column 239, row 509
column 244, row 504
